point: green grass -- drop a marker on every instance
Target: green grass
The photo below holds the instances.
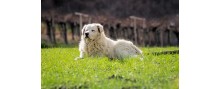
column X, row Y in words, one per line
column 60, row 70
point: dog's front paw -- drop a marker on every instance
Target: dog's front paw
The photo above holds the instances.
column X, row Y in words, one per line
column 77, row 58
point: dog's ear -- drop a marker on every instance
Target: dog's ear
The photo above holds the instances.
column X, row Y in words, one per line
column 83, row 29
column 100, row 28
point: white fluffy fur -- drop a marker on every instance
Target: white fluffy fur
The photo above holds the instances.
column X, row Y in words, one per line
column 97, row 44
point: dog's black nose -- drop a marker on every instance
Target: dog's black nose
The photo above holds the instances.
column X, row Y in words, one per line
column 87, row 34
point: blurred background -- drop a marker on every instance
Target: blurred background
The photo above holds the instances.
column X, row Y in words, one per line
column 144, row 22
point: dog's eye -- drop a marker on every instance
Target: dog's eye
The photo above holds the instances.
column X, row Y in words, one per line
column 93, row 30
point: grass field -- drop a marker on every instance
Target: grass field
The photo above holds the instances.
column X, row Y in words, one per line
column 59, row 70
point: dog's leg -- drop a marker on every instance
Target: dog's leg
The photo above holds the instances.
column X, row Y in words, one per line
column 80, row 56
column 81, row 49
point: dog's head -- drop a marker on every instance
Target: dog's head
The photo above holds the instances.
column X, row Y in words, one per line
column 92, row 31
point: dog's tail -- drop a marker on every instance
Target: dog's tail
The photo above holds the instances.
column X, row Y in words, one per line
column 138, row 51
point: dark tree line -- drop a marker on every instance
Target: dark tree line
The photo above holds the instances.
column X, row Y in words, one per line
column 115, row 8
column 114, row 15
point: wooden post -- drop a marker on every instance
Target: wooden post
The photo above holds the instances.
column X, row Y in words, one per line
column 135, row 27
column 81, row 15
column 80, row 22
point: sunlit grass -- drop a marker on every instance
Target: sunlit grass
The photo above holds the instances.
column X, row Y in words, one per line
column 60, row 70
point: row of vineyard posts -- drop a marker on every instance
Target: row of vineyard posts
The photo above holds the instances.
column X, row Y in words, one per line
column 143, row 36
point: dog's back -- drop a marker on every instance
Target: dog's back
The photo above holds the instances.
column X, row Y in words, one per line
column 124, row 49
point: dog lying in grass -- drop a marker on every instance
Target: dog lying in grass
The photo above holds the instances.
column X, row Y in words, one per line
column 95, row 43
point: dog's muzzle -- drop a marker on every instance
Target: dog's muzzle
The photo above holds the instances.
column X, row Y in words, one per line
column 86, row 35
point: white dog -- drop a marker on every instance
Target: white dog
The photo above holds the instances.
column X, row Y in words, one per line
column 95, row 43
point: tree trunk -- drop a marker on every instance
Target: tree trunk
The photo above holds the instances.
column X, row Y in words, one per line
column 72, row 30
column 64, row 31
column 53, row 32
column 48, row 22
